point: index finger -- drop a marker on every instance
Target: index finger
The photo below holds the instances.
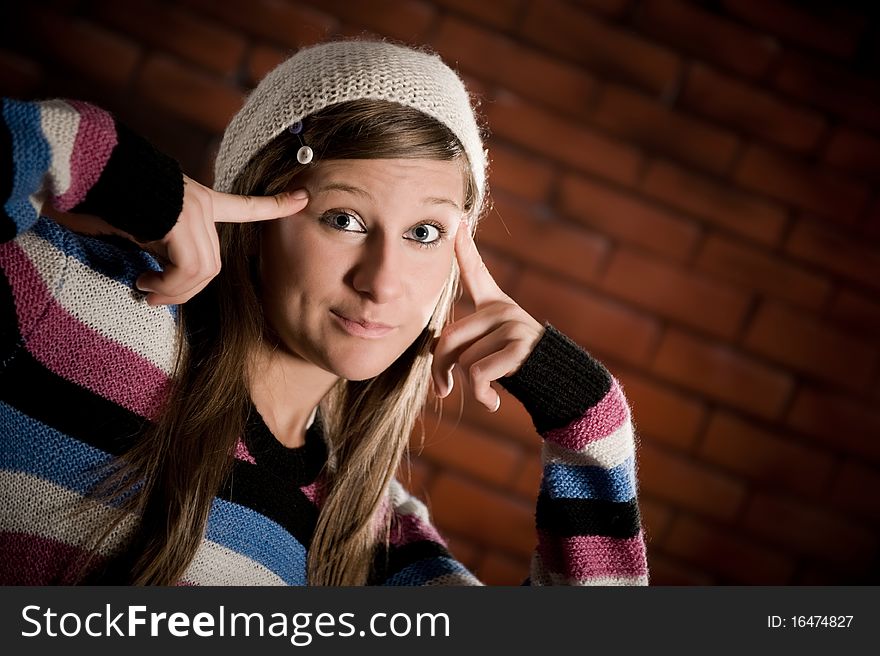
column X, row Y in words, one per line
column 232, row 208
column 475, row 277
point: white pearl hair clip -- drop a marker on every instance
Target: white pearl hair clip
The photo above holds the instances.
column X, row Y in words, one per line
column 305, row 154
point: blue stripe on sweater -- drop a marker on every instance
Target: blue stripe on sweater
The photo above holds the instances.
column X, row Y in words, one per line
column 260, row 539
column 122, row 263
column 32, row 157
column 31, row 447
column 586, row 482
column 34, row 448
column 423, row 571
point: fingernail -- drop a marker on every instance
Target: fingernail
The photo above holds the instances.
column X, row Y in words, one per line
column 300, row 194
column 497, row 403
column 450, row 382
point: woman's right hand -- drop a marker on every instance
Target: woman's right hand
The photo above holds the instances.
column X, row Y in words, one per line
column 190, row 252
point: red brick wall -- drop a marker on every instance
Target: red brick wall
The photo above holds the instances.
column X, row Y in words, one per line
column 688, row 190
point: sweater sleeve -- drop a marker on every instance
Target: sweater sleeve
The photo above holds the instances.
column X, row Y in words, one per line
column 587, row 518
column 588, row 522
column 83, row 160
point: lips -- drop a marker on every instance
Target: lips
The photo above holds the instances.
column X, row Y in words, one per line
column 360, row 327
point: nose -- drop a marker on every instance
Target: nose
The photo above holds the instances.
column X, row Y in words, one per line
column 379, row 273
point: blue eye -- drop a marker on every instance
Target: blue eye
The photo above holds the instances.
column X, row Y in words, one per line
column 423, row 234
column 342, row 221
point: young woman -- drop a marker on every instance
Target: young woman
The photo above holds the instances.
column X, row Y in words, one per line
column 166, row 419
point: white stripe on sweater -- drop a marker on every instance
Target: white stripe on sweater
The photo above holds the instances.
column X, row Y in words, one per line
column 607, row 452
column 60, row 123
column 46, row 510
column 215, row 564
column 105, row 305
column 540, row 575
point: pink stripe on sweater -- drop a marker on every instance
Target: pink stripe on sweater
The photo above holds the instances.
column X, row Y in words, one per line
column 74, row 351
column 598, row 422
column 34, row 560
column 583, row 557
column 95, row 140
column 242, row 453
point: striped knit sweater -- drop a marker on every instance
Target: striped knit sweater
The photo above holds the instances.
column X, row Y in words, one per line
column 85, row 364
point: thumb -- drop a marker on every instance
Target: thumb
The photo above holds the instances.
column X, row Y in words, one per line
column 231, row 208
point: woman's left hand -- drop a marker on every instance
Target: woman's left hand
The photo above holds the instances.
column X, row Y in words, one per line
column 489, row 344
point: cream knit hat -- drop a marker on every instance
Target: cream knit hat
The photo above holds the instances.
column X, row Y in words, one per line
column 338, row 71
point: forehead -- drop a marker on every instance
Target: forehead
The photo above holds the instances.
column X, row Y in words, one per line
column 418, row 177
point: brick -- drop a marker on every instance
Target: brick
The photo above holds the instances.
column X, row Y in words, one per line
column 288, row 24
column 612, row 52
column 761, row 271
column 855, row 151
column 657, row 127
column 526, row 71
column 840, row 422
column 824, row 573
column 676, row 294
column 743, row 107
column 719, row 204
column 592, row 321
column 261, row 60
column 19, row 77
column 465, row 551
column 467, row 450
column 855, row 489
column 625, row 217
column 483, row 516
column 721, row 373
column 656, row 519
column 858, row 313
column 198, row 99
column 562, row 140
column 511, row 421
column 609, row 8
column 811, row 346
column 819, row 189
column 766, row 457
column 404, row 20
column 828, row 247
column 414, row 474
column 660, row 414
column 178, row 31
column 689, row 484
column 809, row 530
column 826, row 28
column 669, row 571
column 688, row 28
column 727, row 553
column 571, row 252
column 83, row 47
column 187, row 145
column 519, row 174
column 502, row 14
column 498, row 569
column 832, row 88
column 528, row 478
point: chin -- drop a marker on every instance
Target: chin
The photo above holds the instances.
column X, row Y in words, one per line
column 357, row 368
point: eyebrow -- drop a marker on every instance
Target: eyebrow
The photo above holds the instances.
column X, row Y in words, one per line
column 351, row 189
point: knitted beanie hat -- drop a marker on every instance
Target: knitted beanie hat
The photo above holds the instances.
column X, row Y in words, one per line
column 339, row 71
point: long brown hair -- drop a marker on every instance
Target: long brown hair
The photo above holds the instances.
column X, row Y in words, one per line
column 187, row 453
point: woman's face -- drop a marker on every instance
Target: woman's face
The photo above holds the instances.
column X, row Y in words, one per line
column 375, row 245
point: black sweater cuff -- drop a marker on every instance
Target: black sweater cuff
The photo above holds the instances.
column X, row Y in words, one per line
column 140, row 189
column 558, row 382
